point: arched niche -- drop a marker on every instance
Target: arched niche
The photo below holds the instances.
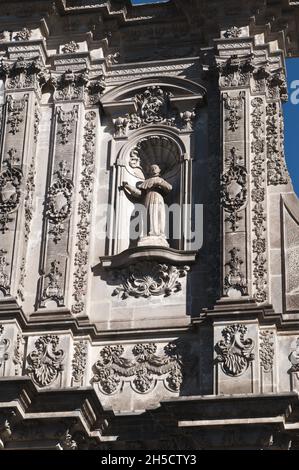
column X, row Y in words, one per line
column 154, row 146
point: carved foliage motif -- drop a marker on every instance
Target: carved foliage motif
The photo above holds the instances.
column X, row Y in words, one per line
column 258, row 198
column 233, row 107
column 267, row 350
column 235, row 278
column 234, row 352
column 276, row 168
column 146, row 279
column 59, row 201
column 66, row 120
column 23, row 73
column 10, row 188
column 233, row 32
column 45, row 362
column 294, row 359
column 70, row 47
column 53, row 289
column 70, row 85
column 15, row 114
column 18, row 354
column 79, row 362
column 4, row 277
column 23, row 35
column 4, row 346
column 234, row 189
column 112, row 370
column 84, row 212
column 235, row 72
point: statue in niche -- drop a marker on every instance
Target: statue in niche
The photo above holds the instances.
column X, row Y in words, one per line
column 151, row 193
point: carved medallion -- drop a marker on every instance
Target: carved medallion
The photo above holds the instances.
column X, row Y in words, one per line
column 45, row 362
column 234, row 351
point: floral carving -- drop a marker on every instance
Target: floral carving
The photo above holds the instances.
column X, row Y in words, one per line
column 4, row 346
column 266, row 350
column 70, row 85
column 23, row 35
column 84, row 212
column 112, row 370
column 15, row 113
column 53, row 289
column 4, row 278
column 233, row 106
column 66, row 119
column 79, row 362
column 148, row 279
column 234, row 189
column 24, row 73
column 235, row 278
column 45, row 361
column 258, row 198
column 18, row 354
column 70, row 47
column 233, row 32
column 234, row 352
column 59, row 201
column 10, row 188
column 276, row 168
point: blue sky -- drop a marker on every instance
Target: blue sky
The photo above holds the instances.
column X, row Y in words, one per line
column 291, row 113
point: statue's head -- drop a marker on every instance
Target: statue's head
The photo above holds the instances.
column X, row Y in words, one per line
column 155, row 170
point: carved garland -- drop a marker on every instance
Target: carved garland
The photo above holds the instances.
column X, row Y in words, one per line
column 235, row 279
column 4, row 277
column 146, row 279
column 79, row 362
column 267, row 350
column 234, row 352
column 143, row 372
column 233, row 106
column 66, row 119
column 15, row 115
column 45, row 362
column 276, row 168
column 84, row 213
column 258, row 198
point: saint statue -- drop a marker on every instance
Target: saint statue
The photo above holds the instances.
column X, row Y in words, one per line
column 151, row 192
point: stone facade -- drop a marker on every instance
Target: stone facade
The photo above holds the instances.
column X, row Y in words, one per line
column 108, row 343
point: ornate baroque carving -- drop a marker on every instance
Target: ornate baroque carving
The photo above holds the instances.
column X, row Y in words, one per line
column 142, row 372
column 234, row 108
column 45, row 362
column 70, row 47
column 267, row 350
column 4, row 346
column 53, row 289
column 234, row 189
column 70, row 85
column 276, row 168
column 15, row 115
column 66, row 119
column 258, row 198
column 146, row 279
column 235, row 279
column 233, row 32
column 4, row 277
column 79, row 362
column 18, row 354
column 10, row 188
column 234, row 352
column 67, row 442
column 59, row 201
column 84, row 213
column 23, row 35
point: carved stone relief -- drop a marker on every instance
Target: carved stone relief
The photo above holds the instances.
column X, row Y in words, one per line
column 66, row 119
column 11, row 178
column 276, row 168
column 15, row 114
column 235, row 279
column 23, row 35
column 4, row 276
column 234, row 352
column 45, row 362
column 59, row 201
column 4, row 347
column 84, row 213
column 267, row 350
column 70, row 47
column 67, row 442
column 70, row 85
column 24, row 73
column 18, row 356
column 146, row 279
column 234, row 108
column 258, row 198
column 79, row 363
column 142, row 372
column 53, row 285
column 234, row 183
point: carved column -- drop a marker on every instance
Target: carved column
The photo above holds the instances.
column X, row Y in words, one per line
column 19, row 132
column 252, row 85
